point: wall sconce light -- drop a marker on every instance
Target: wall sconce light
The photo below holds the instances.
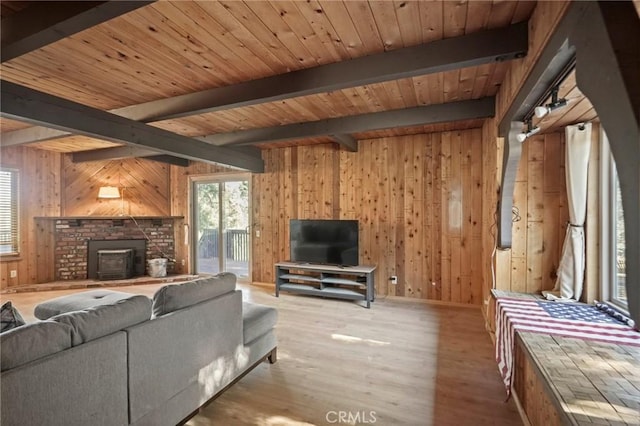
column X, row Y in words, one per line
column 108, row 192
column 556, row 103
column 530, row 132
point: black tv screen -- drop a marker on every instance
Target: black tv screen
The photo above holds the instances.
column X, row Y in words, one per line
column 324, row 241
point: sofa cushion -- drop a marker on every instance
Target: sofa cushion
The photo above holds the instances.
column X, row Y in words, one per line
column 9, row 317
column 257, row 320
column 78, row 301
column 92, row 323
column 177, row 296
column 33, row 341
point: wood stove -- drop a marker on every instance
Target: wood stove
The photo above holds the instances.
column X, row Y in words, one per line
column 115, row 264
column 138, row 249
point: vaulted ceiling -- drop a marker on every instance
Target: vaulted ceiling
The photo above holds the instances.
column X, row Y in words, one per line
column 263, row 73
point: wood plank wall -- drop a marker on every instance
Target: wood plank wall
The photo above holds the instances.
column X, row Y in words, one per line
column 146, row 186
column 539, row 219
column 540, row 198
column 40, row 188
column 425, row 204
column 417, row 198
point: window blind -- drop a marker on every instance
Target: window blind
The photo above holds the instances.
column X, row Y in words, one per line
column 9, row 230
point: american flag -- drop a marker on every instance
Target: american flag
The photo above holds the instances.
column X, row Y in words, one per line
column 562, row 319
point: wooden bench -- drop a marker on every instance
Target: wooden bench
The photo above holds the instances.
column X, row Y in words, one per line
column 569, row 381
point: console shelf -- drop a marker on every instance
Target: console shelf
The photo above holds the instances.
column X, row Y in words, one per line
column 342, row 282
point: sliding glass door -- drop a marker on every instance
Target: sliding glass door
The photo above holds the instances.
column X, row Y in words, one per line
column 221, row 226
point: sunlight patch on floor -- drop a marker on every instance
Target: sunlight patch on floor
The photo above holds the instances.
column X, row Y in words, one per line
column 353, row 339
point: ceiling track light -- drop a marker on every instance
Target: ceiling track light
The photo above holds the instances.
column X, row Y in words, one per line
column 530, row 132
column 556, row 103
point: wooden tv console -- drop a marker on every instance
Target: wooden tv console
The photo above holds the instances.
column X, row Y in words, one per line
column 342, row 282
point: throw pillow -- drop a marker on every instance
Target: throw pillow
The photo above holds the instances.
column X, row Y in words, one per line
column 10, row 317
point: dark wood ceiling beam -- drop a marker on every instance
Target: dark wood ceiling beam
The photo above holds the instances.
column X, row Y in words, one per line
column 443, row 55
column 46, row 22
column 25, row 104
column 346, row 141
column 31, row 135
column 464, row 51
column 126, row 151
column 169, row 159
column 407, row 117
column 115, row 153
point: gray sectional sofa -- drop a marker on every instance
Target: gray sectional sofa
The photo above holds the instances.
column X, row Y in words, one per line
column 125, row 359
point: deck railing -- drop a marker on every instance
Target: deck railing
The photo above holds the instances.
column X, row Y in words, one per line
column 236, row 244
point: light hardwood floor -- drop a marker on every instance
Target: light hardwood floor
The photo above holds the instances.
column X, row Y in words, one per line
column 398, row 363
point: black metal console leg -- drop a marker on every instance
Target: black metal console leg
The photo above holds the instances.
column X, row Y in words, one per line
column 273, row 356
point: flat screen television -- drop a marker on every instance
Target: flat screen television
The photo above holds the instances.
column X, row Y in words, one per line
column 332, row 242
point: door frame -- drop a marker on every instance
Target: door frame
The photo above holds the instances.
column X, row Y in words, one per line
column 217, row 178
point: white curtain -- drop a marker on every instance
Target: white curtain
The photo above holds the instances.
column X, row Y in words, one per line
column 571, row 268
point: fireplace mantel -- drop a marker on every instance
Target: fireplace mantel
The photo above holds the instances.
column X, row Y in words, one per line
column 116, row 220
column 125, row 217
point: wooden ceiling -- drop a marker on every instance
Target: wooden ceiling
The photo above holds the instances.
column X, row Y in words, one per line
column 168, row 49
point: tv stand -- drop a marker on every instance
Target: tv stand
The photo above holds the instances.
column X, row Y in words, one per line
column 342, row 282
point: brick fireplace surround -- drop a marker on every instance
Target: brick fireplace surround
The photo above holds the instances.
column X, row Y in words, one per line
column 71, row 236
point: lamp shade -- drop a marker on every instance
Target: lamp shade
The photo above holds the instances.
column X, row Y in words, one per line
column 108, row 192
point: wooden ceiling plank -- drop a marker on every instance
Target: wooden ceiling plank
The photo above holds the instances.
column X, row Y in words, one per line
column 341, row 21
column 387, row 23
column 281, row 30
column 133, row 67
column 77, row 66
column 408, row 14
column 262, row 32
column 29, row 105
column 208, row 31
column 365, row 25
column 154, row 30
column 465, row 110
column 432, row 20
column 480, row 82
column 501, row 13
column 497, row 77
column 395, row 95
column 451, row 87
column 7, row 125
column 524, row 9
column 477, row 16
column 244, row 35
column 467, row 79
column 407, row 91
column 142, row 44
column 436, row 88
column 181, row 17
column 292, row 16
column 455, row 18
column 43, row 23
column 348, row 100
column 28, row 73
column 313, row 13
column 468, row 50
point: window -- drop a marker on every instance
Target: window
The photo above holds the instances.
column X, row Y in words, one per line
column 9, row 226
column 613, row 237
